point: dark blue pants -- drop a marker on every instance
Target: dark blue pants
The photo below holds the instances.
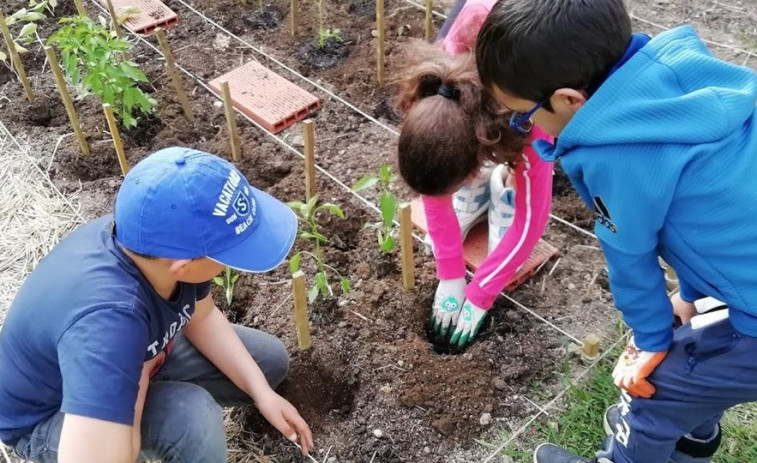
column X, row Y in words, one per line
column 706, row 372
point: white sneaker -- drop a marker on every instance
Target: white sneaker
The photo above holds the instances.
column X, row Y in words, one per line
column 501, row 207
column 471, row 202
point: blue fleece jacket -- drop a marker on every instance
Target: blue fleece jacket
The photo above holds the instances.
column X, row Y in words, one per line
column 665, row 152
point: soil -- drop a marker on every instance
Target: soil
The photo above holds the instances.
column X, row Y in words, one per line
column 332, row 53
column 373, row 365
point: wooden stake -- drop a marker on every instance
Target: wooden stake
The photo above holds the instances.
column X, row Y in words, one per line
column 231, row 121
column 294, row 16
column 117, row 142
column 173, row 71
column 380, row 43
column 406, row 247
column 429, row 14
column 15, row 59
column 52, row 58
column 301, row 310
column 114, row 18
column 590, row 350
column 308, row 139
column 80, row 8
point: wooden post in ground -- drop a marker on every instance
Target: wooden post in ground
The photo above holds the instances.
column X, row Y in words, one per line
column 406, row 247
column 173, row 71
column 294, row 16
column 429, row 15
column 52, row 58
column 590, row 351
column 231, row 122
column 380, row 41
column 80, row 8
column 117, row 142
column 15, row 59
column 114, row 18
column 308, row 141
column 301, row 310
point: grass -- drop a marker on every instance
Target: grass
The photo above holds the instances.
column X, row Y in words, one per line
column 579, row 426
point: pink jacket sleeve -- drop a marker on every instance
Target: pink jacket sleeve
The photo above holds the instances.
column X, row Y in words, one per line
column 444, row 230
column 462, row 36
column 533, row 200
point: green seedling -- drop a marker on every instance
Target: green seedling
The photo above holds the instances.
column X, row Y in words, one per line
column 95, row 61
column 385, row 230
column 227, row 282
column 28, row 18
column 325, row 33
column 308, row 213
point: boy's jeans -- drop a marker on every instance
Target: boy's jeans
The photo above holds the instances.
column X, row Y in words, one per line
column 182, row 420
column 705, row 372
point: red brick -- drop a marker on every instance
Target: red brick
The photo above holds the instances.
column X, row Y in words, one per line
column 152, row 14
column 266, row 97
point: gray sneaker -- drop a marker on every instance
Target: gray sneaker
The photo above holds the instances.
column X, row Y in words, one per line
column 550, row 453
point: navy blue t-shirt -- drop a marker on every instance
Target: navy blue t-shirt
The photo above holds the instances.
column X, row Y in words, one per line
column 79, row 330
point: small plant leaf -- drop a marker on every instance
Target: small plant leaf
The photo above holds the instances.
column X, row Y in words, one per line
column 294, row 262
column 28, row 30
column 385, row 172
column 309, row 208
column 388, row 207
column 313, row 236
column 234, row 278
column 345, row 283
column 218, row 281
column 296, row 205
column 388, row 244
column 366, row 182
column 312, row 294
column 334, row 209
column 321, row 280
column 3, row 56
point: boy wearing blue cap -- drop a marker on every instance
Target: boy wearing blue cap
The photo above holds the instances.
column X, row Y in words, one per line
column 660, row 139
column 113, row 349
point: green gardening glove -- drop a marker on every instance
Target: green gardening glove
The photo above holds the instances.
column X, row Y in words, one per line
column 468, row 324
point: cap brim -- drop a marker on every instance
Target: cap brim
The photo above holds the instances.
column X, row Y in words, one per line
column 269, row 244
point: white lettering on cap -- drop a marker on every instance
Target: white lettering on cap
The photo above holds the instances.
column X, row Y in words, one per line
column 224, row 199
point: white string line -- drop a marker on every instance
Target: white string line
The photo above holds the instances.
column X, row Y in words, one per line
column 574, row 226
column 536, row 315
column 280, row 63
column 552, row 402
column 631, row 15
column 333, row 178
column 5, row 454
column 390, row 129
column 711, row 42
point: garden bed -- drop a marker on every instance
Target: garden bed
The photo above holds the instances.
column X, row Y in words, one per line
column 371, row 366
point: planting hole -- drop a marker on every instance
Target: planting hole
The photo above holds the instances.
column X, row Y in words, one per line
column 440, row 344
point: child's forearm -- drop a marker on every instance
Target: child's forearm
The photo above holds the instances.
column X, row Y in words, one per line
column 444, row 230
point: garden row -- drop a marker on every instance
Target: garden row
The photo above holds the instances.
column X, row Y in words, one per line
column 371, row 366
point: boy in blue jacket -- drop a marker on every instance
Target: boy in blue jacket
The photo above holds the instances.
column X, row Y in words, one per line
column 660, row 139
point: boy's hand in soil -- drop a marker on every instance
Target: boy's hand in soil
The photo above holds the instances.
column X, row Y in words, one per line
column 284, row 417
column 449, row 299
column 633, row 368
column 468, row 324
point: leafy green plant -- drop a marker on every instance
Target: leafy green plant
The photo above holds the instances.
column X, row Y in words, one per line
column 325, row 33
column 95, row 62
column 385, row 229
column 308, row 213
column 227, row 282
column 28, row 19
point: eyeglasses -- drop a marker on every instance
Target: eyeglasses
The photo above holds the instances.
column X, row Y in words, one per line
column 521, row 122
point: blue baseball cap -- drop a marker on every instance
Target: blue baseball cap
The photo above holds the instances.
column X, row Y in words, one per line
column 180, row 203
